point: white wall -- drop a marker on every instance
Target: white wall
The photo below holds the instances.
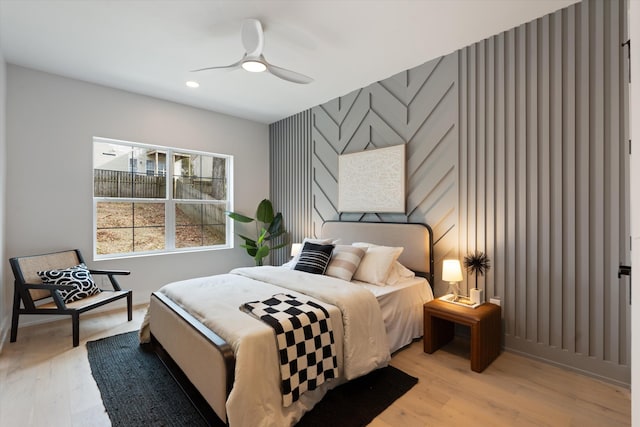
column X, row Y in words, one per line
column 5, row 286
column 51, row 122
column 634, row 112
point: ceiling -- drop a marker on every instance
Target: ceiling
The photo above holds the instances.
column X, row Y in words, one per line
column 148, row 47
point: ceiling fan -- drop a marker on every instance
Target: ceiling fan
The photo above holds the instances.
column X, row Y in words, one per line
column 254, row 61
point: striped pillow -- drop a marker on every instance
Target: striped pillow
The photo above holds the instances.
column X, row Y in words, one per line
column 314, row 258
column 344, row 261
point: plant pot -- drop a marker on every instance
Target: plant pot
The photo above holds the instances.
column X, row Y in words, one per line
column 476, row 295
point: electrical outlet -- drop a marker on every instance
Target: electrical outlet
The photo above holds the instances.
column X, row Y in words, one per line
column 495, row 300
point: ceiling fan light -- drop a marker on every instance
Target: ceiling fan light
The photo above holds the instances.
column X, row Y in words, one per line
column 254, row 66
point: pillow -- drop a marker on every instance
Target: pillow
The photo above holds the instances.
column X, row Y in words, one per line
column 399, row 272
column 344, row 261
column 314, row 258
column 78, row 276
column 292, row 263
column 376, row 263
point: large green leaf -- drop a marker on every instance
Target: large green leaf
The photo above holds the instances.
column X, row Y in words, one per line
column 261, row 237
column 248, row 240
column 251, row 250
column 238, row 217
column 265, row 211
column 276, row 224
column 263, row 251
column 275, row 236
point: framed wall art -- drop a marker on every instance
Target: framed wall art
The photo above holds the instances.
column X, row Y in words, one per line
column 372, row 181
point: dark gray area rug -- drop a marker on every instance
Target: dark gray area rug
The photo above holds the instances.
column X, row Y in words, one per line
column 138, row 390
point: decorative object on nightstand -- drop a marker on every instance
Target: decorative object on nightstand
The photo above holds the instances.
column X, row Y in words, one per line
column 452, row 273
column 477, row 264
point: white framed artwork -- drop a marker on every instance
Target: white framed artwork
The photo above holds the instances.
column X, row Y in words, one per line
column 372, row 181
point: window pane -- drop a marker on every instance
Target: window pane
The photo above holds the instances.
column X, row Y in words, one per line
column 214, row 235
column 111, row 215
column 188, row 236
column 188, row 214
column 122, row 171
column 114, row 241
column 199, row 177
column 129, row 227
column 148, row 239
column 200, row 225
column 148, row 214
column 219, row 179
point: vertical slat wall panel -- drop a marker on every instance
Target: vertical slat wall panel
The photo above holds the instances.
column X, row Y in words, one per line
column 290, row 177
column 542, row 114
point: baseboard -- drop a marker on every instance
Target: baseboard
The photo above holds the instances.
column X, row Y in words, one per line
column 569, row 368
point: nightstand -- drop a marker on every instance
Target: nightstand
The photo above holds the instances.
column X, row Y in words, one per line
column 485, row 323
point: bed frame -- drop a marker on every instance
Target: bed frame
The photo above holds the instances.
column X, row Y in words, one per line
column 204, row 364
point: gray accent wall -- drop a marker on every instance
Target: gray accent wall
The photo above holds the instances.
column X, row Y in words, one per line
column 516, row 146
column 544, row 182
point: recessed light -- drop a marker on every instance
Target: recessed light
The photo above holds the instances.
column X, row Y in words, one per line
column 193, row 84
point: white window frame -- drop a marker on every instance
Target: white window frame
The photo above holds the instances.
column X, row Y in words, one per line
column 168, row 201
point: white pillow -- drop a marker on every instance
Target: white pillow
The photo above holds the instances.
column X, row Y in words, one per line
column 399, row 272
column 376, row 263
column 344, row 261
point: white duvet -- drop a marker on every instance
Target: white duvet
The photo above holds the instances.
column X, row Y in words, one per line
column 256, row 400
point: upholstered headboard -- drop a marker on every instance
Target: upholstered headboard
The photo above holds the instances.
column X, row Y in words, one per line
column 417, row 240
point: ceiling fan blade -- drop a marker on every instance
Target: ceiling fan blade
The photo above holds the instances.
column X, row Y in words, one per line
column 252, row 37
column 288, row 75
column 220, row 67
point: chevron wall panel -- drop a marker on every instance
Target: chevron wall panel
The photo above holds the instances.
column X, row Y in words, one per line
column 419, row 108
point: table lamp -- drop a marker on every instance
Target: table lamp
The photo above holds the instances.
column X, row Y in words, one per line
column 452, row 273
column 295, row 249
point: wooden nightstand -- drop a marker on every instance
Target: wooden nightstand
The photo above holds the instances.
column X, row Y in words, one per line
column 485, row 322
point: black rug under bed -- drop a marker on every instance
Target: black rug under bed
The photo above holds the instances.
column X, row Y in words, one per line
column 138, row 390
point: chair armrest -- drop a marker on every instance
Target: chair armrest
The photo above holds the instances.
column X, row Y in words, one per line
column 48, row 287
column 111, row 272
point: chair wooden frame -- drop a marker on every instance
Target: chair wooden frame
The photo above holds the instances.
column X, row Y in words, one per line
column 29, row 289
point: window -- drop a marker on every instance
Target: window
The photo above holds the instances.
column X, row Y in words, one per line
column 138, row 209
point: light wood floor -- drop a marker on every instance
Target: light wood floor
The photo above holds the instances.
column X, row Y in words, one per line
column 44, row 381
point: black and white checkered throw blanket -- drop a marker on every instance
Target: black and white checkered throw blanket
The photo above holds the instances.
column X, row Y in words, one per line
column 305, row 342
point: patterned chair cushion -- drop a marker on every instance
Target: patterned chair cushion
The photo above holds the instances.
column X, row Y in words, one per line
column 77, row 276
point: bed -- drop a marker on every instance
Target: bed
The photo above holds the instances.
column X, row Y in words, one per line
column 238, row 375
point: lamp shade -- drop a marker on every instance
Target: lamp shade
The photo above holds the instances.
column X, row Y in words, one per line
column 295, row 249
column 451, row 270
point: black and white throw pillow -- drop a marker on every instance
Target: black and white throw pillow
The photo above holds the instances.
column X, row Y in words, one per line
column 314, row 258
column 78, row 276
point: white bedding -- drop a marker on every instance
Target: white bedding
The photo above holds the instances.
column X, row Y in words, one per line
column 402, row 308
column 255, row 399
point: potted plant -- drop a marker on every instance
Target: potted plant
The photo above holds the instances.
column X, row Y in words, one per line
column 268, row 228
column 477, row 263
